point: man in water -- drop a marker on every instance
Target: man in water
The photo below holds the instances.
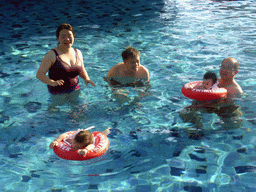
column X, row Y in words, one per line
column 129, row 73
column 228, row 70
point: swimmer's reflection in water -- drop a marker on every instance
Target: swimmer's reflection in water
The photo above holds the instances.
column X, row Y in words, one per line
column 120, row 94
column 229, row 117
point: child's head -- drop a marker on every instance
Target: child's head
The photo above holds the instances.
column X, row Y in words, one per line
column 82, row 140
column 210, row 78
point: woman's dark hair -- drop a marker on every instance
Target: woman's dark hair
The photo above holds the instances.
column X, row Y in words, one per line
column 64, row 26
column 211, row 75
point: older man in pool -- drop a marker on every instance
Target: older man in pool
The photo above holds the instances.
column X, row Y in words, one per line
column 228, row 70
column 226, row 108
column 129, row 73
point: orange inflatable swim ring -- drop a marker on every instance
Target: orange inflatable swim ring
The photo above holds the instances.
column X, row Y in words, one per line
column 202, row 94
column 64, row 150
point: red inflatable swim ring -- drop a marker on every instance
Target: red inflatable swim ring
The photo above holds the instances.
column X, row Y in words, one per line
column 64, row 150
column 202, row 94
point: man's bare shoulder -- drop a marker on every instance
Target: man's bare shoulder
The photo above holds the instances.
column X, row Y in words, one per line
column 115, row 70
column 144, row 72
column 238, row 89
column 143, row 68
column 119, row 66
column 234, row 90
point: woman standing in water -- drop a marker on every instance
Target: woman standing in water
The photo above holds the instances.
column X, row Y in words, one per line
column 63, row 64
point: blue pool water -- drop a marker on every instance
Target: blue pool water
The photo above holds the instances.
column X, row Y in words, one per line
column 151, row 148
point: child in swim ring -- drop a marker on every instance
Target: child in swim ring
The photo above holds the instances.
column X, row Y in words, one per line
column 209, row 81
column 82, row 140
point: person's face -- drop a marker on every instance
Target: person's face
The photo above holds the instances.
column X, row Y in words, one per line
column 207, row 83
column 66, row 38
column 76, row 145
column 132, row 64
column 227, row 70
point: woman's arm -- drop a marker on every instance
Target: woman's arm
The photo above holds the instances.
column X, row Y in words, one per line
column 47, row 62
column 84, row 75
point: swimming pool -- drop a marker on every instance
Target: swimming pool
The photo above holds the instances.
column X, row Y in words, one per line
column 150, row 149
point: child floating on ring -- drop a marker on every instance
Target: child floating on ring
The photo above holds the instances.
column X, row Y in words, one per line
column 81, row 144
column 206, row 90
